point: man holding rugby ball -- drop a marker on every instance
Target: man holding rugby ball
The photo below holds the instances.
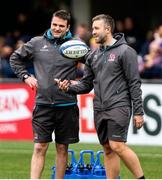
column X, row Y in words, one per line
column 55, row 111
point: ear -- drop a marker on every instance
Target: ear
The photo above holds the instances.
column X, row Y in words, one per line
column 68, row 28
column 108, row 28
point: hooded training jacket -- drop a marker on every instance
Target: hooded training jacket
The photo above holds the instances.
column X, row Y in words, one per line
column 48, row 64
column 113, row 73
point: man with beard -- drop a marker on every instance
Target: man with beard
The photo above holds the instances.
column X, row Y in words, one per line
column 112, row 70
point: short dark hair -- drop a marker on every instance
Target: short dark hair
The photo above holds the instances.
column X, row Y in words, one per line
column 63, row 14
column 108, row 20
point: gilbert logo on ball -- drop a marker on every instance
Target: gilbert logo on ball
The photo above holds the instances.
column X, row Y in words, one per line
column 73, row 49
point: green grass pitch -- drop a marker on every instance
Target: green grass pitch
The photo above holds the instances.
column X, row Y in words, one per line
column 15, row 159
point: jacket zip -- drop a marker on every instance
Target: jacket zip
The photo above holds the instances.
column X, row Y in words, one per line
column 100, row 90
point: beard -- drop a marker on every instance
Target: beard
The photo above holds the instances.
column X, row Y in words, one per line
column 59, row 35
column 100, row 39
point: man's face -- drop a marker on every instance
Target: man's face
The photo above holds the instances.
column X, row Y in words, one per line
column 99, row 31
column 59, row 27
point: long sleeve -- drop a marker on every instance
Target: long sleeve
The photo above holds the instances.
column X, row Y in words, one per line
column 19, row 58
column 130, row 67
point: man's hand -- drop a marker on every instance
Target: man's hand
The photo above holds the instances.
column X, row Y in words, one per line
column 32, row 82
column 138, row 121
column 64, row 85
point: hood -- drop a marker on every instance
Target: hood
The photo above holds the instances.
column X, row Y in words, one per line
column 120, row 40
column 48, row 35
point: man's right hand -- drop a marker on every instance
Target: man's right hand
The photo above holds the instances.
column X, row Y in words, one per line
column 64, row 85
column 32, row 82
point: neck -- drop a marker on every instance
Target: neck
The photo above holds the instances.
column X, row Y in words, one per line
column 110, row 42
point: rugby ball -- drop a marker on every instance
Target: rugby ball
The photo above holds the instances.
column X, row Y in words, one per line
column 73, row 49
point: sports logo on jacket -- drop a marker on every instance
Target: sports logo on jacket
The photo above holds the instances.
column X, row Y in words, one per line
column 44, row 48
column 95, row 57
column 111, row 57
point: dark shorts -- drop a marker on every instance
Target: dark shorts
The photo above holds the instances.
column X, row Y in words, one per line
column 112, row 124
column 63, row 121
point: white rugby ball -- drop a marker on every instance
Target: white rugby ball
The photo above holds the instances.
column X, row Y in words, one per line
column 73, row 49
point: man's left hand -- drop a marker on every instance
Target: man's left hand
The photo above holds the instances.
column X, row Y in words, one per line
column 138, row 121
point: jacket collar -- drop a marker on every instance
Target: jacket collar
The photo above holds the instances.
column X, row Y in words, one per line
column 48, row 34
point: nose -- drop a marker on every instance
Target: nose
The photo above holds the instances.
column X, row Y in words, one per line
column 57, row 27
column 93, row 32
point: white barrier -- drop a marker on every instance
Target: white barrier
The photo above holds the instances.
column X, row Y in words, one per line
column 151, row 133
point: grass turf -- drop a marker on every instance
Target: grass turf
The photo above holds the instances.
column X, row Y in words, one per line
column 15, row 159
